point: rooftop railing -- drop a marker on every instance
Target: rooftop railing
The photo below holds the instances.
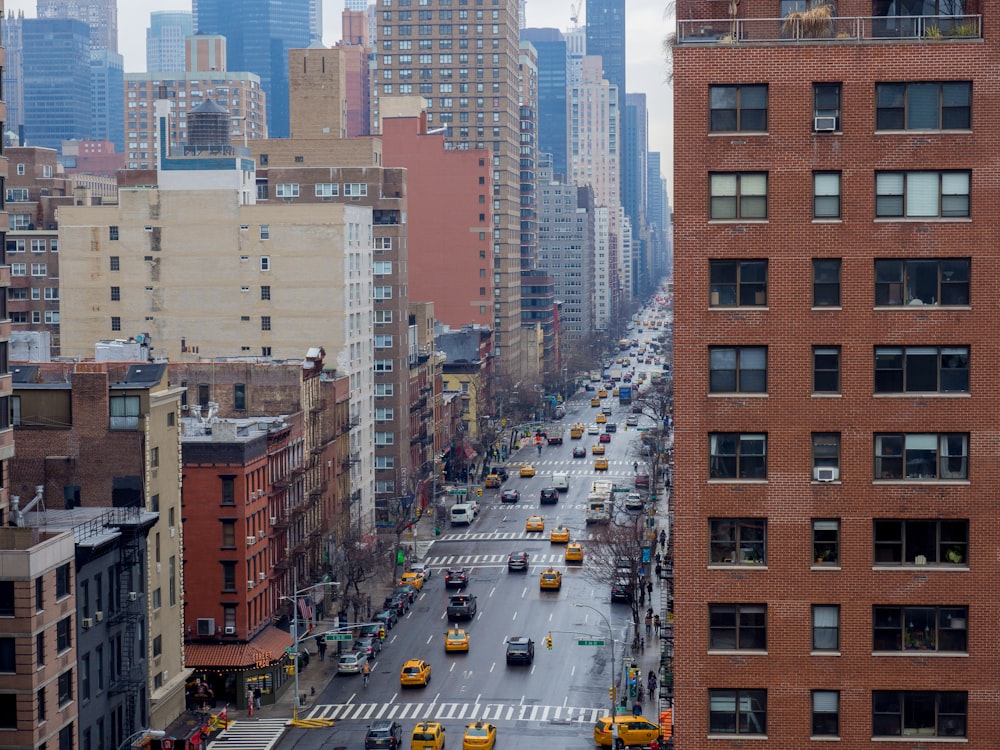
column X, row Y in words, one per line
column 796, row 29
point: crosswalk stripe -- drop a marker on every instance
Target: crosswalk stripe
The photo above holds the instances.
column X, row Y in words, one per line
column 262, row 734
column 448, row 711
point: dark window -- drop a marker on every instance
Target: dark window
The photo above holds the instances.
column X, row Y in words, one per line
column 64, row 634
column 826, row 627
column 919, row 713
column 8, row 710
column 65, row 687
column 7, row 598
column 116, row 293
column 112, row 232
column 228, row 490
column 737, row 627
column 826, row 541
column 265, row 322
column 826, row 369
column 39, row 594
column 115, row 263
column 922, row 456
column 737, row 711
column 826, row 195
column 228, row 576
column 897, row 628
column 921, row 542
column 125, row 411
column 738, row 541
column 240, row 396
column 62, row 581
column 922, row 282
column 825, row 713
column 826, row 454
column 741, row 369
column 918, row 195
column 738, row 108
column 826, row 104
column 734, row 455
column 40, row 648
column 204, row 395
column 737, row 195
column 8, row 662
column 116, row 323
column 826, row 282
column 228, row 534
column 937, row 105
column 85, row 677
column 921, row 369
column 265, row 292
column 738, row 283
column 66, row 737
column 157, row 645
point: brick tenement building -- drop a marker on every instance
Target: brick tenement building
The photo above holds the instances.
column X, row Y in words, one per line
column 835, row 382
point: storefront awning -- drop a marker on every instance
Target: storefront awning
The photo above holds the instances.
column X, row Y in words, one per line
column 265, row 649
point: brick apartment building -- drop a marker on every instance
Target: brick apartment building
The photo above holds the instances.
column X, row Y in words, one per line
column 835, row 389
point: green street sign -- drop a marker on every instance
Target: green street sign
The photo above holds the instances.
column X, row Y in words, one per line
column 456, row 492
column 334, row 637
column 290, row 650
column 590, row 643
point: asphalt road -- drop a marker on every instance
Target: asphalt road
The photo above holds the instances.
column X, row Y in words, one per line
column 552, row 703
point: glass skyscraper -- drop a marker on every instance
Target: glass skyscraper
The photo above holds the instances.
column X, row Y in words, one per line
column 552, row 85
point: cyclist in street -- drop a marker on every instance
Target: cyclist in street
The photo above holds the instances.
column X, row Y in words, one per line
column 635, row 466
column 366, row 671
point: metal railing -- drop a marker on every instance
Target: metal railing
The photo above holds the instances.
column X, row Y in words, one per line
column 795, row 29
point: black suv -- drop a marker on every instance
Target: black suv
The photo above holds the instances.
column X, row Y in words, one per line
column 520, row 650
column 462, row 607
column 456, row 578
column 548, row 495
column 621, row 591
column 384, row 733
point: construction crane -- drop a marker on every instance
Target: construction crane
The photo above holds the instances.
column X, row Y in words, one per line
column 574, row 9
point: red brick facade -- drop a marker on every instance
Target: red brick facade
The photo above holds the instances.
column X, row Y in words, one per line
column 857, row 669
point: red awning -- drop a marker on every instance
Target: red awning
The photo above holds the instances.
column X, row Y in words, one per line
column 265, row 649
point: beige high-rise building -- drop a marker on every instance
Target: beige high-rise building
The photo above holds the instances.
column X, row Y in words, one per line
column 464, row 62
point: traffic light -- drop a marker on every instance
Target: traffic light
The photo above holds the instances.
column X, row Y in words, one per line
column 612, row 692
column 479, row 491
column 548, row 642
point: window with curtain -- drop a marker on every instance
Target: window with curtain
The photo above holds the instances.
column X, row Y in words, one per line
column 826, row 627
column 124, row 412
column 922, row 194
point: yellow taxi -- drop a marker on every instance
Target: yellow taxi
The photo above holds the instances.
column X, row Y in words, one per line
column 600, row 464
column 527, row 470
column 615, row 393
column 601, row 419
column 576, row 431
column 534, row 523
column 602, row 393
column 574, row 553
column 550, row 579
column 559, row 535
column 479, row 736
column 427, row 735
column 632, row 730
column 492, row 480
column 456, row 639
column 595, row 401
column 413, row 578
column 597, row 449
column 415, row 672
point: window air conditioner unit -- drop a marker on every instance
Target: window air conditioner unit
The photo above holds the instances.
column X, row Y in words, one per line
column 826, row 473
column 250, row 585
column 251, row 540
column 206, row 626
column 166, row 676
column 184, row 407
column 260, row 534
column 173, row 530
column 263, row 576
column 274, row 520
column 824, row 124
column 87, row 622
column 98, row 616
column 159, row 567
column 230, row 630
column 133, row 595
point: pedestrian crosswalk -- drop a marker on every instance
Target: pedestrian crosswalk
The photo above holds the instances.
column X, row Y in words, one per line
column 506, row 536
column 250, row 734
column 496, row 713
column 483, row 561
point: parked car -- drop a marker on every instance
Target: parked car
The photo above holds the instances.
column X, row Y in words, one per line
column 368, row 646
column 351, row 662
column 398, row 602
column 410, row 591
column 388, row 617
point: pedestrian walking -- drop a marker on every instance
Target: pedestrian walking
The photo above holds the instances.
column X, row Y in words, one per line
column 656, row 625
column 256, row 698
column 637, row 709
column 649, row 590
column 649, row 624
column 651, row 684
column 663, row 540
column 658, row 558
column 250, row 701
column 321, row 645
column 659, row 570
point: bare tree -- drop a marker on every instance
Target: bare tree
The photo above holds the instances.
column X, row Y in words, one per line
column 657, row 403
column 360, row 560
column 615, row 554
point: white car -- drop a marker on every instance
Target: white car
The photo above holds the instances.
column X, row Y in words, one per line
column 632, row 420
column 351, row 662
column 633, row 501
column 422, row 568
column 593, row 430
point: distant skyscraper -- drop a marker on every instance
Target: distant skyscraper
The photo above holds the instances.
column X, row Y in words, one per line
column 656, row 200
column 100, row 15
column 56, row 80
column 606, row 37
column 361, row 5
column 552, row 83
column 165, row 40
column 13, row 91
column 258, row 39
column 634, row 151
column 107, row 78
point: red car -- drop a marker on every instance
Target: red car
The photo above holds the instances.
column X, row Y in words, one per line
column 604, row 438
column 642, row 480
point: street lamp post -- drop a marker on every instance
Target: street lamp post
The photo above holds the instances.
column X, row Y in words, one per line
column 295, row 629
column 613, row 693
column 153, row 734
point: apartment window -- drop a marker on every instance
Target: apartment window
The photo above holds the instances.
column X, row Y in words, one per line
column 229, row 534
column 65, row 689
column 157, row 599
column 826, row 195
column 265, row 232
column 922, row 282
column 734, row 455
column 15, row 246
column 826, row 454
column 738, row 541
column 919, row 713
column 733, row 627
column 172, row 579
column 739, row 369
column 921, row 542
column 921, row 195
column 116, row 323
column 385, row 438
column 826, row 282
column 738, row 195
column 738, row 108
column 99, row 664
column 936, row 105
column 157, row 645
column 826, row 541
column 265, row 322
column 826, row 103
column 228, row 575
column 384, row 389
column 265, row 292
column 896, row 628
column 113, row 232
column 738, row 283
column 62, row 581
column 826, row 369
column 240, row 396
column 382, row 268
column 64, row 634
column 385, row 462
column 286, row 190
column 265, row 263
column 355, row 189
column 383, row 341
column 8, row 660
column 124, row 412
column 18, row 269
column 383, row 365
column 922, row 456
column 39, row 270
column 228, row 490
column 826, row 627
column 386, row 414
column 39, row 595
column 383, row 243
column 921, row 369
column 327, row 189
column 154, row 457
column 825, row 713
column 382, row 292
column 85, row 677
column 17, row 195
column 737, row 711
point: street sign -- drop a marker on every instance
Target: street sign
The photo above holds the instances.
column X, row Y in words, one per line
column 334, row 637
column 453, row 491
column 590, row 643
column 290, row 650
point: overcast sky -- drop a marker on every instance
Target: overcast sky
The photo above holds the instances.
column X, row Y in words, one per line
column 645, row 72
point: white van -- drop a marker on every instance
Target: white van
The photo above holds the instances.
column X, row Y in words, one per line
column 560, row 482
column 463, row 513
